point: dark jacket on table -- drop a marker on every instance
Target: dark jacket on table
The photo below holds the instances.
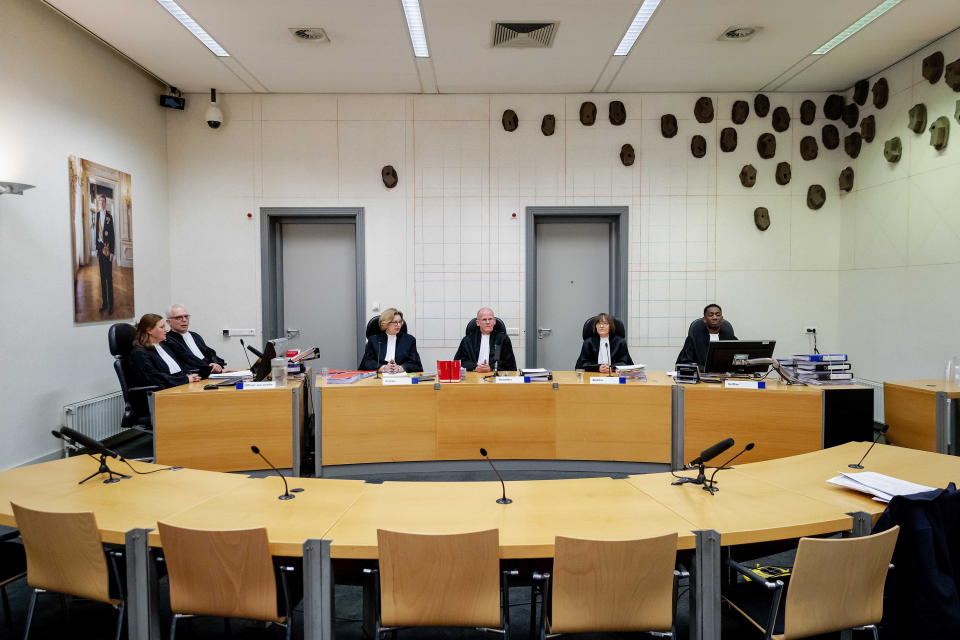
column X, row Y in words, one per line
column 469, row 351
column 183, row 354
column 698, row 341
column 589, row 359
column 151, row 369
column 404, row 355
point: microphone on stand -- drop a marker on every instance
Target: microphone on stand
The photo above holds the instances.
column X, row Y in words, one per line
column 496, row 358
column 287, row 495
column 882, row 430
column 244, row 345
column 705, row 456
column 503, row 499
column 711, row 485
column 609, row 361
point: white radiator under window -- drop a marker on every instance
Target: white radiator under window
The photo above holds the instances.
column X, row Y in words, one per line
column 97, row 417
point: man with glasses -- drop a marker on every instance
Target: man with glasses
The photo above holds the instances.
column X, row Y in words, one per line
column 189, row 346
column 483, row 343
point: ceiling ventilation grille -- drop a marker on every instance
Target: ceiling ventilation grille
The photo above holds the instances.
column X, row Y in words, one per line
column 738, row 34
column 524, row 35
column 311, row 34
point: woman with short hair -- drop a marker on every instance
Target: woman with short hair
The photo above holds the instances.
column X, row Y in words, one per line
column 389, row 350
column 604, row 349
column 153, row 363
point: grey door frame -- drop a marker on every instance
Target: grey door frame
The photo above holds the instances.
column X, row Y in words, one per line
column 271, row 259
column 619, row 244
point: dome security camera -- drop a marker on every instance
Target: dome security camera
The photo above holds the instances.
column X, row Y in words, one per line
column 213, row 115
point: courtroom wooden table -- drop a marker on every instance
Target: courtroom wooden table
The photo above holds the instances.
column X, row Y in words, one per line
column 922, row 414
column 214, row 429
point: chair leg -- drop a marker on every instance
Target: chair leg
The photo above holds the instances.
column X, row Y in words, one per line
column 173, row 627
column 30, row 609
column 6, row 607
column 121, row 610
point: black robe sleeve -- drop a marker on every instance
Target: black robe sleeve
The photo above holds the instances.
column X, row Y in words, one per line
column 208, row 353
column 466, row 354
column 508, row 362
column 688, row 353
column 589, row 354
column 145, row 363
column 371, row 358
column 621, row 354
column 411, row 359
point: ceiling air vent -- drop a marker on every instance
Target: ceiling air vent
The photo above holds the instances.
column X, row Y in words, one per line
column 738, row 34
column 311, row 34
column 523, row 35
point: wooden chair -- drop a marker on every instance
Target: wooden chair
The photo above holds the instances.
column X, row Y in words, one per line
column 449, row 580
column 609, row 586
column 836, row 584
column 65, row 555
column 227, row 574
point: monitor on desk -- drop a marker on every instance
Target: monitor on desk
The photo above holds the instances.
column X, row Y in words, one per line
column 722, row 353
column 261, row 368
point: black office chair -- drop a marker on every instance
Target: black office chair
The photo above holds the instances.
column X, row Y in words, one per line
column 136, row 409
column 726, row 329
column 13, row 566
column 473, row 328
column 618, row 328
column 373, row 326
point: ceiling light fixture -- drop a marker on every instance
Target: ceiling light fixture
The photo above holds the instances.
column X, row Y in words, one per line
column 878, row 11
column 14, row 188
column 644, row 13
column 184, row 18
column 418, row 37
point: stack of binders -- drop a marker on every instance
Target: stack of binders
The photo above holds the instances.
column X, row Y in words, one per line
column 636, row 372
column 537, row 375
column 823, row 368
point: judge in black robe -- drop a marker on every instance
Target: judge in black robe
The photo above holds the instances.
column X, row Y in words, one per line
column 179, row 320
column 698, row 336
column 149, row 366
column 589, row 359
column 405, row 355
column 468, row 353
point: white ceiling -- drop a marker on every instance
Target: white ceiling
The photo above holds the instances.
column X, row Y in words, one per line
column 370, row 50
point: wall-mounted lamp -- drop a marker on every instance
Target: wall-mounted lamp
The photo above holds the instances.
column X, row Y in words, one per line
column 15, row 188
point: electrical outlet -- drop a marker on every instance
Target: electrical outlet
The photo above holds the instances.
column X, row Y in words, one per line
column 809, row 329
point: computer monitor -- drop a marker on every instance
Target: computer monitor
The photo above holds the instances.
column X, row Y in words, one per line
column 261, row 368
column 721, row 354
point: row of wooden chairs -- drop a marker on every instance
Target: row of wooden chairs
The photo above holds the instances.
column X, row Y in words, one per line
column 456, row 580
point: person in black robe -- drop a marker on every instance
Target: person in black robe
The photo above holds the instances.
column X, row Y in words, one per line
column 698, row 336
column 605, row 345
column 179, row 319
column 152, row 362
column 478, row 354
column 377, row 355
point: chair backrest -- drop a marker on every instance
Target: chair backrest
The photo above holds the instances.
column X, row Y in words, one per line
column 472, row 327
column 228, row 574
column 373, row 326
column 439, row 580
column 618, row 328
column 837, row 583
column 725, row 327
column 120, row 339
column 613, row 585
column 64, row 553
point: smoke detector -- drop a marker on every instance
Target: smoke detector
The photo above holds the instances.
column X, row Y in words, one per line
column 738, row 34
column 311, row 34
column 523, row 35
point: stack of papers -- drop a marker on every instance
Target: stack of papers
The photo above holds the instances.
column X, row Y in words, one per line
column 339, row 376
column 633, row 372
column 536, row 375
column 232, row 374
column 880, row 486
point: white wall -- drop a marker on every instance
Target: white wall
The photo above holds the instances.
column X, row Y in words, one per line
column 444, row 242
column 65, row 94
column 900, row 262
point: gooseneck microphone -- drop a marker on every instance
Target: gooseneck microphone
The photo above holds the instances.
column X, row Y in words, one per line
column 287, row 495
column 609, row 360
column 95, row 446
column 880, row 431
column 711, row 485
column 244, row 345
column 503, row 499
column 698, row 463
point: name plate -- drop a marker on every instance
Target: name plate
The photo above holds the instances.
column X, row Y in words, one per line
column 511, row 379
column 744, row 384
column 256, row 385
column 406, row 380
column 608, row 380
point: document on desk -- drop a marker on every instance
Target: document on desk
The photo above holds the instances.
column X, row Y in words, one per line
column 226, row 375
column 881, row 487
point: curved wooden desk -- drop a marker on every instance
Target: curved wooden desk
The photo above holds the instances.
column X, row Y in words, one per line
column 763, row 501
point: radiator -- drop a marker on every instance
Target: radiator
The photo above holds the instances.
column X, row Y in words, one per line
column 97, row 417
column 877, row 397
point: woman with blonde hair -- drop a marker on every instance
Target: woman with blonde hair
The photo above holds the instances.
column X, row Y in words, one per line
column 153, row 363
column 392, row 349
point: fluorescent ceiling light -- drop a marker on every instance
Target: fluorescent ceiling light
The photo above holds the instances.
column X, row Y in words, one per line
column 418, row 37
column 184, row 18
column 644, row 13
column 878, row 11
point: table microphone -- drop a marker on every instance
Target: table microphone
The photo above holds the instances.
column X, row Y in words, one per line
column 287, row 495
column 698, row 463
column 504, row 499
column 882, row 430
column 244, row 345
column 711, row 485
column 87, row 442
column 254, row 351
column 609, row 361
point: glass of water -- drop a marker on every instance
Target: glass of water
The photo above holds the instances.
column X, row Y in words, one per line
column 952, row 377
